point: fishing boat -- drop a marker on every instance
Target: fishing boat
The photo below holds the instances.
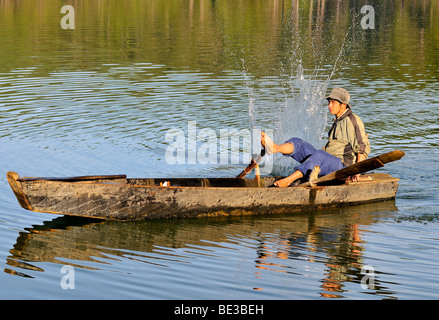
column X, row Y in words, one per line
column 117, row 197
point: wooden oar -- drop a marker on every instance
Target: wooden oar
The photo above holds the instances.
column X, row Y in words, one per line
column 252, row 164
column 360, row 167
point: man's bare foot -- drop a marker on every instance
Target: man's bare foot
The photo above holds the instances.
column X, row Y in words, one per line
column 282, row 183
column 285, row 182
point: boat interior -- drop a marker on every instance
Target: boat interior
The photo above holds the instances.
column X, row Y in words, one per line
column 204, row 182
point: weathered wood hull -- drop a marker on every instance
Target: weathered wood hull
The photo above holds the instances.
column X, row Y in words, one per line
column 120, row 198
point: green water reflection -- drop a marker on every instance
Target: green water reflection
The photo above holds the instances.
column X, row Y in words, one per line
column 213, row 36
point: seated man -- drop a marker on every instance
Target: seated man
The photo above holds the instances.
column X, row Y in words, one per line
column 347, row 143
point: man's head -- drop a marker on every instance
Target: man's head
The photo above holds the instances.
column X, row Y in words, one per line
column 338, row 101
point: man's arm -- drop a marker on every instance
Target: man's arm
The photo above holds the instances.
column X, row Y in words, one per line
column 360, row 142
column 361, row 157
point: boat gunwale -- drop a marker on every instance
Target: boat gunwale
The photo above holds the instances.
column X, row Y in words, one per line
column 383, row 177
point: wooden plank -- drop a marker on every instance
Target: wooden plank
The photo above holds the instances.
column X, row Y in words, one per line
column 360, row 167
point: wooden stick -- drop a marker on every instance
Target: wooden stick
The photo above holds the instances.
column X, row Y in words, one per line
column 258, row 176
column 252, row 164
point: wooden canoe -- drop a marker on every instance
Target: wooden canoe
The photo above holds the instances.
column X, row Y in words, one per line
column 122, row 198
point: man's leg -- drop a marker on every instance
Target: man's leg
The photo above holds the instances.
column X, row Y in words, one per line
column 327, row 162
column 296, row 148
column 272, row 147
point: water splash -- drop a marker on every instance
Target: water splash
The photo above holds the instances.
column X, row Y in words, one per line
column 292, row 103
column 251, row 98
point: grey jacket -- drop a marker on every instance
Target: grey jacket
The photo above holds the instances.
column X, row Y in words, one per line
column 347, row 138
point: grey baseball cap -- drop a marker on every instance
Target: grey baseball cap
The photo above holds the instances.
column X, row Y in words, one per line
column 341, row 95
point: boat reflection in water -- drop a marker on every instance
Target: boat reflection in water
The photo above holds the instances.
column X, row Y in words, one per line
column 326, row 245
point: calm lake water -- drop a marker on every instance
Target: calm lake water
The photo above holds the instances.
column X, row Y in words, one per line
column 102, row 97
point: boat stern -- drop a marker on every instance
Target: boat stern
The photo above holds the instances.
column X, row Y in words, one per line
column 13, row 180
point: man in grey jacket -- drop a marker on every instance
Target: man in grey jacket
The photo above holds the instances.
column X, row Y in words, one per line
column 347, row 143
